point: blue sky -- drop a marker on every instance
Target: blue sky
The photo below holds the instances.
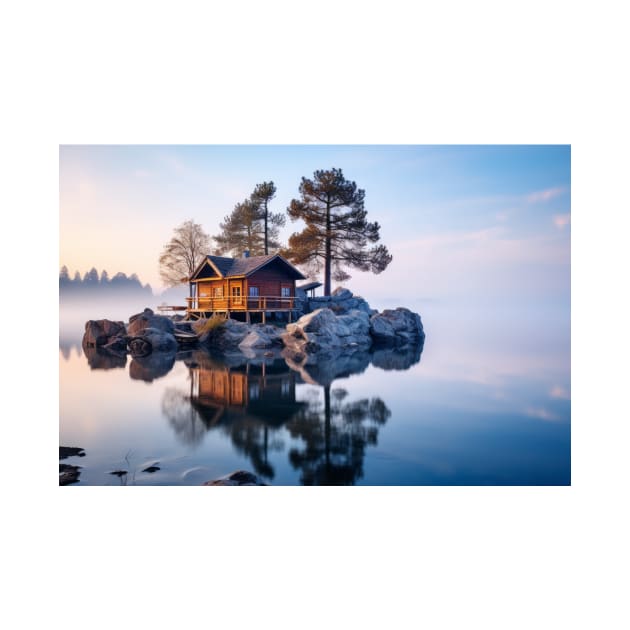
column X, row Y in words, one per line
column 493, row 221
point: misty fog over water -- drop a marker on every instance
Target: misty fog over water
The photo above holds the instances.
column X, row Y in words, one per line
column 486, row 401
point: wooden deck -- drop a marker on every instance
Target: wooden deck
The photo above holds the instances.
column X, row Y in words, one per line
column 199, row 307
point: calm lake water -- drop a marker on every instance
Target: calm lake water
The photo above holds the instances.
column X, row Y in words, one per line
column 486, row 401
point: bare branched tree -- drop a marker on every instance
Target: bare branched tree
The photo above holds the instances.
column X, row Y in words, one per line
column 183, row 253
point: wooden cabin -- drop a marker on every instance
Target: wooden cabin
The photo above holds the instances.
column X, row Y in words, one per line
column 258, row 284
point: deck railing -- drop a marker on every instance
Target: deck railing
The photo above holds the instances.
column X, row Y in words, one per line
column 242, row 303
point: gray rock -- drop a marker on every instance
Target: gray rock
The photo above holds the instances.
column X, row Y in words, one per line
column 116, row 345
column 382, row 330
column 322, row 330
column 319, row 321
column 147, row 319
column 261, row 337
column 237, row 478
column 160, row 341
column 405, row 325
column 226, row 337
column 100, row 332
column 340, row 293
column 357, row 322
column 341, row 302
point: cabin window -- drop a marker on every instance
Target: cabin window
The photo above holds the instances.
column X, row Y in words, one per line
column 285, row 292
column 253, row 292
column 218, row 292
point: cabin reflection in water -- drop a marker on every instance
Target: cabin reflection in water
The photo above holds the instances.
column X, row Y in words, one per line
column 265, row 391
column 248, row 402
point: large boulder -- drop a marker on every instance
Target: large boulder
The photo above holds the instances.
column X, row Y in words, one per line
column 340, row 302
column 342, row 294
column 398, row 326
column 100, row 332
column 160, row 341
column 357, row 322
column 261, row 337
column 227, row 336
column 322, row 330
column 148, row 319
column 382, row 330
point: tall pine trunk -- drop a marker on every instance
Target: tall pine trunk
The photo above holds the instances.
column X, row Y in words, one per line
column 266, row 238
column 327, row 261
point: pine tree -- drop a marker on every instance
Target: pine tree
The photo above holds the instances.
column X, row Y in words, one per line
column 64, row 278
column 91, row 278
column 272, row 221
column 337, row 233
column 242, row 230
column 251, row 226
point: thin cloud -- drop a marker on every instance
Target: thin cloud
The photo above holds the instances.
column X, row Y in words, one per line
column 142, row 173
column 542, row 414
column 542, row 196
column 561, row 220
column 557, row 391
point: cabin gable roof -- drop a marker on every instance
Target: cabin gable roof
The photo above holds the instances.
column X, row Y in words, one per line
column 244, row 267
column 204, row 266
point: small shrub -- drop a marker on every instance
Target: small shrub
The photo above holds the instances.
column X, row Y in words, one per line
column 207, row 326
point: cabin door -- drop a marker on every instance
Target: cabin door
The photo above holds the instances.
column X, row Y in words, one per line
column 237, row 295
column 204, row 290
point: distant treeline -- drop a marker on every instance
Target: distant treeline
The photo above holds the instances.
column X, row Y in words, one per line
column 92, row 281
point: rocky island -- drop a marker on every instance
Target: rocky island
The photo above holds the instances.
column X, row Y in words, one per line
column 332, row 324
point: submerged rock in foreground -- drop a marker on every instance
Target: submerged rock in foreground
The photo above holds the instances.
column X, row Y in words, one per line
column 237, row 478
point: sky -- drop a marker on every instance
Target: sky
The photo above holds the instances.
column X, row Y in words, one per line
column 486, row 221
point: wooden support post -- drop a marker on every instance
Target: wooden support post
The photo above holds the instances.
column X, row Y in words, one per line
column 247, row 319
column 263, row 315
column 290, row 316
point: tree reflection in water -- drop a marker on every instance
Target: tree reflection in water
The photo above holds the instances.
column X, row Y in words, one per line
column 253, row 400
column 248, row 400
column 336, row 434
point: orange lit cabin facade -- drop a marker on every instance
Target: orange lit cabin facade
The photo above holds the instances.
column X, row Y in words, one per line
column 258, row 284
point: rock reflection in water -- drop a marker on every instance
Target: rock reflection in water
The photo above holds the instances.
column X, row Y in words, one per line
column 99, row 359
column 151, row 367
column 324, row 368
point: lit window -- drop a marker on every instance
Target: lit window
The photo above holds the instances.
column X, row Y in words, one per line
column 253, row 291
column 218, row 291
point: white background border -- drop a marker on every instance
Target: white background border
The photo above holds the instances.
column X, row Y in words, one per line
column 331, row 72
